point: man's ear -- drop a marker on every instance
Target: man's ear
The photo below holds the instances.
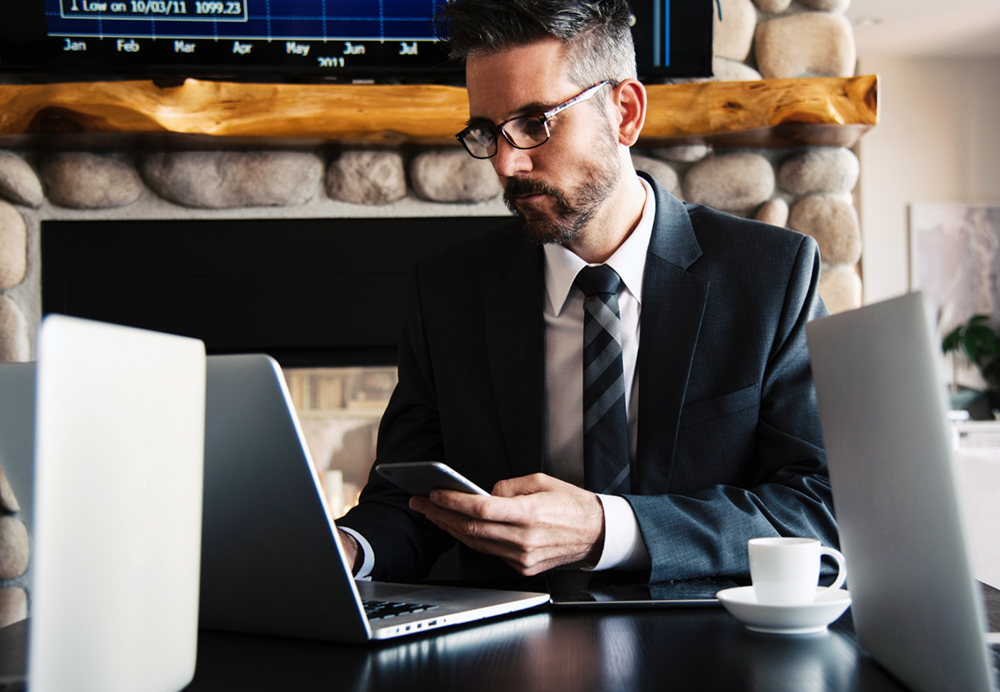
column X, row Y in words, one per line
column 630, row 101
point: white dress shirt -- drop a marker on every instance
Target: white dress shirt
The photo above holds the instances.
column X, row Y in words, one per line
column 564, row 314
column 623, row 544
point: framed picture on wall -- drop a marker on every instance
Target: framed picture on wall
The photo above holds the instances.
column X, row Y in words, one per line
column 955, row 261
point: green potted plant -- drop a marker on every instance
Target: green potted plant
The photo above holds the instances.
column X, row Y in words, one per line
column 981, row 345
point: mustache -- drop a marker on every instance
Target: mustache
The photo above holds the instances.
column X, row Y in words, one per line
column 530, row 186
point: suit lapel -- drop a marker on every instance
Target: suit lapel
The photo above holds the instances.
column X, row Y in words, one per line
column 515, row 334
column 673, row 304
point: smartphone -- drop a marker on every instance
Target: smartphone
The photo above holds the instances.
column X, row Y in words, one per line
column 421, row 477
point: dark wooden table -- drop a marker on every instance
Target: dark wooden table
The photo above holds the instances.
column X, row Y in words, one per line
column 546, row 649
column 703, row 649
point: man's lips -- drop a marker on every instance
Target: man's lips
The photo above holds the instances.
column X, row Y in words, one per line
column 530, row 197
column 526, row 193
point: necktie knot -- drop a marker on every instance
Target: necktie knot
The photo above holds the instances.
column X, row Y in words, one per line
column 596, row 280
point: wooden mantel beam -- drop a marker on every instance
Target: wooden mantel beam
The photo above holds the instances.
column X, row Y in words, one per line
column 770, row 112
column 764, row 113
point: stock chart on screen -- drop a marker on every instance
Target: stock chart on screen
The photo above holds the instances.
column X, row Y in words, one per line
column 355, row 40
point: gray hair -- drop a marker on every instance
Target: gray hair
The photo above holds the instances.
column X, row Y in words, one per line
column 596, row 33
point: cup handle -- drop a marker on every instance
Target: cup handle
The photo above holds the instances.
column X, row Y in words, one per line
column 841, row 565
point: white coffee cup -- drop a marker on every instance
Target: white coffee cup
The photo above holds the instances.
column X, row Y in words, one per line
column 785, row 571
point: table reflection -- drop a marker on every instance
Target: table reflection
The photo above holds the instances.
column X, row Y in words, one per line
column 793, row 663
column 570, row 651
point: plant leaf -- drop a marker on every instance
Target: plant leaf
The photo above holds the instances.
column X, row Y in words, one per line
column 979, row 342
column 951, row 340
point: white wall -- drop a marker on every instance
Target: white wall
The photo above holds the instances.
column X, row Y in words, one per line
column 978, row 472
column 938, row 140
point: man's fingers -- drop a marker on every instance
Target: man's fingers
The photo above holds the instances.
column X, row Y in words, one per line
column 527, row 549
column 496, row 509
column 468, row 525
column 534, row 523
column 513, row 539
column 532, row 568
column 524, row 485
column 527, row 562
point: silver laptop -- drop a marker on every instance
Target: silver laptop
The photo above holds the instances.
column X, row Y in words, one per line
column 272, row 562
column 114, row 425
column 917, row 609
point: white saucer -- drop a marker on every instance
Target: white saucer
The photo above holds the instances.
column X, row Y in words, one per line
column 813, row 617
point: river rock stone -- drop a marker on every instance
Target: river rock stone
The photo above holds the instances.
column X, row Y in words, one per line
column 14, row 344
column 823, row 169
column 774, row 212
column 834, row 6
column 664, row 174
column 18, row 181
column 81, row 180
column 840, row 289
column 731, row 182
column 367, row 177
column 451, row 175
column 8, row 502
column 13, row 246
column 773, row 6
column 13, row 548
column 726, row 70
column 13, row 605
column 809, row 44
column 683, row 154
column 734, row 33
column 234, row 179
column 833, row 223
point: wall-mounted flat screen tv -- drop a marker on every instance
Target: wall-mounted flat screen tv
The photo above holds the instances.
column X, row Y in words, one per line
column 298, row 40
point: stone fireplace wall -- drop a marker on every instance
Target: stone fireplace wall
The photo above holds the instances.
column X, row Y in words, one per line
column 807, row 189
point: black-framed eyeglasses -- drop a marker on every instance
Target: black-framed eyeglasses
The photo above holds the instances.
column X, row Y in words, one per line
column 522, row 132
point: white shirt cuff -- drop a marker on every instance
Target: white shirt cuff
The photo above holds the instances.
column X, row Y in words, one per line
column 364, row 574
column 623, row 544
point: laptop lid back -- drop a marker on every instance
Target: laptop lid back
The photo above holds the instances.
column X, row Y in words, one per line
column 119, row 448
column 271, row 559
column 917, row 609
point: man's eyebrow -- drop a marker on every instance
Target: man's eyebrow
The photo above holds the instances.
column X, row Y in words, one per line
column 534, row 108
column 471, row 122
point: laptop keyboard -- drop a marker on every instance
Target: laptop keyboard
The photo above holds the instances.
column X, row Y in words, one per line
column 380, row 610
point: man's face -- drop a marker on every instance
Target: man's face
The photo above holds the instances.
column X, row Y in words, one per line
column 557, row 188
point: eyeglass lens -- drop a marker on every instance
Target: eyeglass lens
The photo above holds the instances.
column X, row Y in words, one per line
column 524, row 133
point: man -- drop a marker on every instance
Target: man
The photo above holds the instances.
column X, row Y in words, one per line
column 704, row 435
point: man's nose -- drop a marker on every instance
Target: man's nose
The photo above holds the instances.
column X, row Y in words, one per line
column 509, row 160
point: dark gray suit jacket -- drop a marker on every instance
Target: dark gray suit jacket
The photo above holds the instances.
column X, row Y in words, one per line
column 729, row 444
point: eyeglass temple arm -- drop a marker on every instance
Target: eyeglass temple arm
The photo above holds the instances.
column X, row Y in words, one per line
column 582, row 96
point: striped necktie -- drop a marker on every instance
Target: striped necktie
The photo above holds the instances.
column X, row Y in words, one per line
column 605, row 426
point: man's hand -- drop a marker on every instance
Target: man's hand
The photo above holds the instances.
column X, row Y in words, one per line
column 352, row 549
column 534, row 523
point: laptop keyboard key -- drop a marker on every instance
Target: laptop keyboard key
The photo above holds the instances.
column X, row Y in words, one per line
column 379, row 610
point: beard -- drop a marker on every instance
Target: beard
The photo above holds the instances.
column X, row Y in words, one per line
column 570, row 213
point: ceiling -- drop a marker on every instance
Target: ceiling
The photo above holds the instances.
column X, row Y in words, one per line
column 959, row 28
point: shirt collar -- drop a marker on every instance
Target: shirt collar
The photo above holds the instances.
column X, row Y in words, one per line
column 629, row 260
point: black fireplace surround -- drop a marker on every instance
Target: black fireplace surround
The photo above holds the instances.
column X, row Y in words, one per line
column 309, row 292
